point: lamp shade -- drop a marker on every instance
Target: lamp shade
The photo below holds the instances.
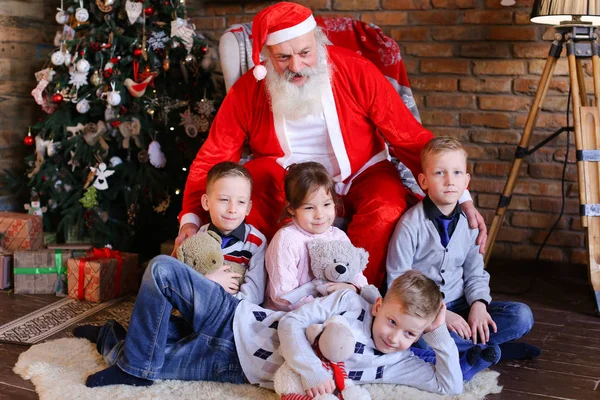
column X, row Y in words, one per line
column 555, row 12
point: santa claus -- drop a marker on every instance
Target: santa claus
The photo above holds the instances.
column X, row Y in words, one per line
column 318, row 103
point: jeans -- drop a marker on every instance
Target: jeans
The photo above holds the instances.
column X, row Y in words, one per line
column 514, row 320
column 199, row 345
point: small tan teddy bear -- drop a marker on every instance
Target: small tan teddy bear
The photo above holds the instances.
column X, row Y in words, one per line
column 202, row 252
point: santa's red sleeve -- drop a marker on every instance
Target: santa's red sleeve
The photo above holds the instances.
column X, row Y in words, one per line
column 392, row 118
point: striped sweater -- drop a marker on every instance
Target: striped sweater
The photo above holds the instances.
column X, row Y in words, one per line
column 249, row 252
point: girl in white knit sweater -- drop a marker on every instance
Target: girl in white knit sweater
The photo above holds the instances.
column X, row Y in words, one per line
column 311, row 203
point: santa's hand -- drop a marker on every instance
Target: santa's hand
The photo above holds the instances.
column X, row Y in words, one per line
column 476, row 221
column 322, row 388
column 185, row 232
column 228, row 280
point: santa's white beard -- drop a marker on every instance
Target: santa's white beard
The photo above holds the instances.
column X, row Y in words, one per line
column 296, row 102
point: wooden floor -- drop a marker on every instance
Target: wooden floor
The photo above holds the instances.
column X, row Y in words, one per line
column 566, row 328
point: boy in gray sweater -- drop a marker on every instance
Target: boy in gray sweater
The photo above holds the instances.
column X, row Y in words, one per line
column 434, row 238
column 221, row 338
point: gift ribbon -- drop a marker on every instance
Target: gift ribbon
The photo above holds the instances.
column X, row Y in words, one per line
column 99, row 254
column 58, row 269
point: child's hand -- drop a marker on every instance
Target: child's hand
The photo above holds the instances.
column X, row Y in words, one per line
column 226, row 279
column 440, row 319
column 322, row 388
column 480, row 321
column 332, row 287
column 186, row 231
column 457, row 324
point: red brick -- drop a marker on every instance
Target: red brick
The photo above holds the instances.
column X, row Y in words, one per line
column 579, row 256
column 457, row 133
column 544, row 121
column 478, row 152
column 529, row 252
column 559, row 238
column 513, row 235
column 559, row 141
column 485, row 50
column 437, row 84
column 530, row 85
column 430, row 50
column 239, row 19
column 338, row 14
column 487, row 17
column 504, row 103
column 438, row 118
column 384, row 18
column 522, row 18
column 487, row 85
column 254, row 6
column 538, row 188
column 537, row 67
column 494, row 136
column 494, row 4
column 405, row 4
column 450, row 101
column 559, row 155
column 441, row 66
column 553, row 171
column 434, row 18
column 409, row 34
column 555, row 103
column 453, row 3
column 549, row 33
column 203, row 23
column 508, row 67
column 575, row 224
column 351, row 5
column 221, row 9
column 458, row 33
column 535, row 220
column 412, row 66
column 491, row 201
column 492, row 120
column 316, row 4
column 513, row 33
column 531, row 50
column 486, row 185
column 553, row 205
column 493, row 168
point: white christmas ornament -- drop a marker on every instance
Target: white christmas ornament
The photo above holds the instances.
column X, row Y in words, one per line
column 101, row 174
column 134, row 10
column 114, row 161
column 58, row 58
column 61, row 16
column 157, row 157
column 113, row 98
column 83, row 65
column 68, row 58
column 81, row 14
column 83, row 106
column 78, row 79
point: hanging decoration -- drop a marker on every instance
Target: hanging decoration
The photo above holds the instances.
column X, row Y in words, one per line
column 157, row 157
column 101, row 174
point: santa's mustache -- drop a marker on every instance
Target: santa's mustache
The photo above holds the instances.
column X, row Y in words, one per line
column 306, row 71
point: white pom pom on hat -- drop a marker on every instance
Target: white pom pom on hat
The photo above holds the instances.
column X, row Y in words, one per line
column 276, row 24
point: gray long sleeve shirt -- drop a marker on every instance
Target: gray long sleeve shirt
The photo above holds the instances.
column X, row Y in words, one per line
column 457, row 269
column 264, row 338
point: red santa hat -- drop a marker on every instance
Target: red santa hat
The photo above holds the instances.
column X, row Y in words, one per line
column 275, row 24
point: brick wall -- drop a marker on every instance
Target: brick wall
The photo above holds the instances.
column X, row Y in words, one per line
column 26, row 32
column 474, row 66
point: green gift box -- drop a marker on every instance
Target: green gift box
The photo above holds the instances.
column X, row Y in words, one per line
column 42, row 271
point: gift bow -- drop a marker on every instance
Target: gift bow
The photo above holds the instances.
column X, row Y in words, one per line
column 99, row 254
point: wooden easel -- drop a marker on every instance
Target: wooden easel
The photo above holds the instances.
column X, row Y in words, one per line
column 581, row 41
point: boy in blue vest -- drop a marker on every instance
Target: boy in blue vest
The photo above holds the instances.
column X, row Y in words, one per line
column 434, row 238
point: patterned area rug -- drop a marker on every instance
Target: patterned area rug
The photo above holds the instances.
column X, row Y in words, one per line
column 52, row 321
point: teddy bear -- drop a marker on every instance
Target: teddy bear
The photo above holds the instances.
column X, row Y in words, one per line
column 333, row 261
column 334, row 343
column 203, row 253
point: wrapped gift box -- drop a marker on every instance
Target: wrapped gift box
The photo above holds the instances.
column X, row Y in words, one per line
column 42, row 271
column 49, row 238
column 102, row 275
column 21, row 231
column 5, row 270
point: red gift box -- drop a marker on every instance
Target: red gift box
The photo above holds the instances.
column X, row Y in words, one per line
column 21, row 231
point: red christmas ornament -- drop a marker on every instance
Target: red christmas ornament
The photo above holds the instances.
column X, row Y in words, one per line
column 82, row 53
column 137, row 52
column 108, row 72
column 204, row 49
column 122, row 109
column 114, row 60
column 44, row 177
column 149, row 10
column 115, row 124
column 57, row 98
column 106, row 45
column 28, row 140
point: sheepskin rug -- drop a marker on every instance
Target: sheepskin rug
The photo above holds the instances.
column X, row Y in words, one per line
column 58, row 370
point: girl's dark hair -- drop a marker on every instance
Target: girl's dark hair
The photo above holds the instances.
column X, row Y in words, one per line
column 303, row 179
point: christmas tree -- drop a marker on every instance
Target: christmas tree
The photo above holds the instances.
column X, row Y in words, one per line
column 129, row 94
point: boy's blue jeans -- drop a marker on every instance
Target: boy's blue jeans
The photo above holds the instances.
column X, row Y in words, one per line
column 514, row 320
column 197, row 346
